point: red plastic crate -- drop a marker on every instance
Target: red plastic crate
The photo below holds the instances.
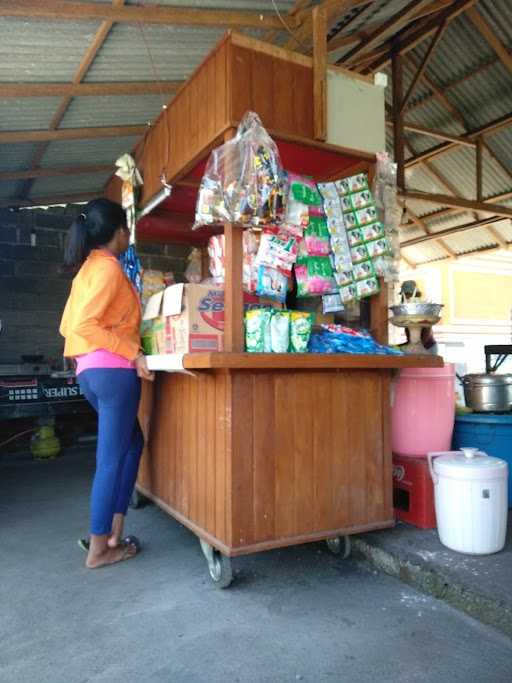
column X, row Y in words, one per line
column 413, row 491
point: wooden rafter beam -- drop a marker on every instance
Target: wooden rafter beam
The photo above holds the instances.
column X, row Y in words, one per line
column 303, row 36
column 488, row 34
column 426, row 59
column 441, row 135
column 487, row 129
column 340, row 41
column 414, row 36
column 299, row 5
column 134, row 14
column 392, row 24
column 450, row 231
column 70, row 133
column 56, row 172
column 20, row 90
column 441, row 213
column 50, row 200
column 447, row 104
column 458, row 202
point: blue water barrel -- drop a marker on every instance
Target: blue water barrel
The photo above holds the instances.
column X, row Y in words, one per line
column 491, row 433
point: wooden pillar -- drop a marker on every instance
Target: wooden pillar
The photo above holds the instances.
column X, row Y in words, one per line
column 479, row 170
column 320, row 73
column 398, row 123
column 233, row 295
column 379, row 314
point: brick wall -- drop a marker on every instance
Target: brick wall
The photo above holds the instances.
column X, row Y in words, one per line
column 33, row 289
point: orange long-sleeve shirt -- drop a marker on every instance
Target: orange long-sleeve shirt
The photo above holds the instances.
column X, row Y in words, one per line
column 102, row 311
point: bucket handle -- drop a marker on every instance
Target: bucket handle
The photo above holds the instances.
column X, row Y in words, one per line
column 430, row 458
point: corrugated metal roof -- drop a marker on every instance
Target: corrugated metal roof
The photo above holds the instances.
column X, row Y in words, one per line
column 470, row 240
column 493, row 11
column 112, row 111
column 69, row 184
column 40, row 51
column 27, row 113
column 424, row 252
column 85, row 152
column 16, row 157
column 484, row 97
column 9, row 188
column 174, row 52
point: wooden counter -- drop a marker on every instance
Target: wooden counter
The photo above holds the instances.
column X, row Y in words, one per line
column 258, row 451
column 294, row 361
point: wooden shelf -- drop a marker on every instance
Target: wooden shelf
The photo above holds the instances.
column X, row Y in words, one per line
column 290, row 361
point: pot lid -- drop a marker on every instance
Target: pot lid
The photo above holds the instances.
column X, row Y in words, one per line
column 470, row 463
column 485, row 379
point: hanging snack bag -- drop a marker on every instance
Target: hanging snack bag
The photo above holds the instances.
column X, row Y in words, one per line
column 257, row 322
column 367, row 215
column 355, row 237
column 301, row 324
column 378, row 247
column 277, row 250
column 367, row 287
column 314, row 276
column 331, row 303
column 363, row 270
column 373, row 231
column 280, row 331
column 316, row 237
column 271, row 283
column 360, row 200
column 359, row 254
column 244, row 181
column 348, row 293
column 296, row 216
column 304, row 189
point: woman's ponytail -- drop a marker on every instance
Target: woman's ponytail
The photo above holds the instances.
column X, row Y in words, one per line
column 77, row 244
column 94, row 227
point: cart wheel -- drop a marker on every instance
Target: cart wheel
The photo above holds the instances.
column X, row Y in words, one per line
column 219, row 565
column 340, row 546
column 137, row 500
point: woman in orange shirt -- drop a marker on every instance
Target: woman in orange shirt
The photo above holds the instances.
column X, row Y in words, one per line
column 101, row 324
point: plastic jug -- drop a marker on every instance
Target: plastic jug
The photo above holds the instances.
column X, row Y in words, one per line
column 423, row 410
column 470, row 492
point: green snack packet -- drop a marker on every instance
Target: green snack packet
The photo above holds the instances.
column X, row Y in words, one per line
column 301, row 324
column 257, row 324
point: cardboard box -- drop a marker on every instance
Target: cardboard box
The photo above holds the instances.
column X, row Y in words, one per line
column 186, row 318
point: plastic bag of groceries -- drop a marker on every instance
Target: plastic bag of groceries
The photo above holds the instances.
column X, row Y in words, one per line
column 243, row 181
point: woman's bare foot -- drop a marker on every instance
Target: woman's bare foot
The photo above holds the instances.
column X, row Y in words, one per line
column 115, row 537
column 110, row 556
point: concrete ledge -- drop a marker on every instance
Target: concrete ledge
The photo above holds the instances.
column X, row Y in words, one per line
column 481, row 586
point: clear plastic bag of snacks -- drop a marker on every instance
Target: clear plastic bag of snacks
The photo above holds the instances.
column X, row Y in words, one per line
column 244, row 181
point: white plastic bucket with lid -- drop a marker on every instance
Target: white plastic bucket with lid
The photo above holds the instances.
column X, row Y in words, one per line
column 470, row 489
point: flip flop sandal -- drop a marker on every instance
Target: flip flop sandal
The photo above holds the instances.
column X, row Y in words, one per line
column 83, row 543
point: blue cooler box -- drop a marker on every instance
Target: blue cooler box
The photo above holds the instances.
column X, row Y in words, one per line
column 491, row 433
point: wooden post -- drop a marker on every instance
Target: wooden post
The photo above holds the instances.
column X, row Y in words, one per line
column 379, row 315
column 398, row 123
column 479, row 170
column 233, row 295
column 320, row 73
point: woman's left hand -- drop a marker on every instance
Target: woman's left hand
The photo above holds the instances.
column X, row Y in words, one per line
column 142, row 368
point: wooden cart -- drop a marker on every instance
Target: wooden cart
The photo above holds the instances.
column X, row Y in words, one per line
column 260, row 451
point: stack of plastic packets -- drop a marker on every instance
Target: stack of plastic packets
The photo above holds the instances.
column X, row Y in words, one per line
column 341, row 256
column 385, row 194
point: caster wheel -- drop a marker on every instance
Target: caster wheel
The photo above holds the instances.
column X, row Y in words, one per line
column 137, row 500
column 219, row 566
column 340, row 546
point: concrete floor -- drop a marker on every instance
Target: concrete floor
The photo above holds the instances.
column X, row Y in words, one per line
column 296, row 614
